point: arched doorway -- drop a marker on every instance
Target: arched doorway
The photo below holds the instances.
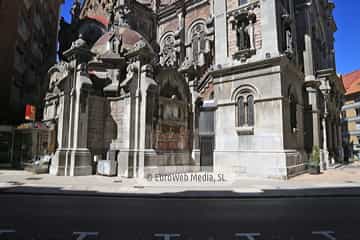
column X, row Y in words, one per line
column 206, row 131
column 173, row 128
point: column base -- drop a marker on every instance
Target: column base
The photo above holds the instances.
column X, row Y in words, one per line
column 58, row 166
column 80, row 162
column 324, row 160
column 71, row 162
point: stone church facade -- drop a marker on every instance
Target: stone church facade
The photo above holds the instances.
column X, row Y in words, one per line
column 243, row 87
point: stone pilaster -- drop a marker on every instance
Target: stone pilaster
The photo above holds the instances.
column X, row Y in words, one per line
column 312, row 84
column 221, row 46
column 73, row 158
column 145, row 83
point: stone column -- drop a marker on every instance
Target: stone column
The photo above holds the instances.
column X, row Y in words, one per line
column 81, row 162
column 58, row 165
column 340, row 141
column 195, row 149
column 336, row 144
column 221, row 35
column 137, row 111
column 313, row 102
column 325, row 89
column 252, row 33
column 308, row 52
column 330, row 138
column 146, row 81
column 312, row 84
column 324, row 161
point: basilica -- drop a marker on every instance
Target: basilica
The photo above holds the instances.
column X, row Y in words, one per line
column 241, row 87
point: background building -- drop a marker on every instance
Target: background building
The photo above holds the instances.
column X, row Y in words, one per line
column 351, row 114
column 240, row 87
column 28, row 46
column 27, row 49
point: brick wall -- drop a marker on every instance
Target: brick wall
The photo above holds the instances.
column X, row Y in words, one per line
column 171, row 25
column 201, row 12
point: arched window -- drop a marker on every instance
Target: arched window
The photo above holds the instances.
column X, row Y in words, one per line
column 250, row 110
column 241, row 111
column 198, row 42
column 245, row 110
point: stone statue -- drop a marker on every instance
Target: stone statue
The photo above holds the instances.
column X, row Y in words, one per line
column 120, row 14
column 80, row 42
column 109, row 7
column 289, row 41
column 168, row 52
column 75, row 10
column 243, row 38
column 117, row 44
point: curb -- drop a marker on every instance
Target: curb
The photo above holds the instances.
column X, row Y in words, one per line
column 192, row 195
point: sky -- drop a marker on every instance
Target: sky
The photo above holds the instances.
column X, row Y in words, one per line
column 347, row 38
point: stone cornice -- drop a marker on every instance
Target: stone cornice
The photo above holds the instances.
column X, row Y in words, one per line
column 229, row 70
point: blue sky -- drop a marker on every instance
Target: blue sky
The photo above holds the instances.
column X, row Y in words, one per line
column 347, row 38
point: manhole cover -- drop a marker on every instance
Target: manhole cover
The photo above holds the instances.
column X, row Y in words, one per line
column 349, row 182
column 139, row 187
column 117, row 181
column 33, row 178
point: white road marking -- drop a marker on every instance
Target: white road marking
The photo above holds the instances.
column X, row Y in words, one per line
column 84, row 235
column 248, row 236
column 328, row 234
column 3, row 231
column 167, row 236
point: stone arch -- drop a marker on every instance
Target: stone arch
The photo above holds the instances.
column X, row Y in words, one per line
column 245, row 88
column 196, row 39
column 244, row 98
column 191, row 27
column 176, row 83
column 168, row 55
column 166, row 34
column 173, row 128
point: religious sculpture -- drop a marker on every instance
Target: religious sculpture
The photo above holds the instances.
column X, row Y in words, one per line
column 242, row 34
column 117, row 44
column 75, row 10
column 168, row 52
column 289, row 41
column 120, row 15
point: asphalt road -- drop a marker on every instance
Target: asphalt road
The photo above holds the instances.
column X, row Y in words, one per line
column 46, row 217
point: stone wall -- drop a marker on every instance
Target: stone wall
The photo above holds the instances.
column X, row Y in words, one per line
column 96, row 125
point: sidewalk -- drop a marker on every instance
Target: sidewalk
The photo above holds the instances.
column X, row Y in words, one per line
column 343, row 181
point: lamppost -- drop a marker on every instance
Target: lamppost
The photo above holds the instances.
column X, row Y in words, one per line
column 325, row 89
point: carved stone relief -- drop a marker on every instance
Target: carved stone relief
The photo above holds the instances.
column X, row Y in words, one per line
column 168, row 55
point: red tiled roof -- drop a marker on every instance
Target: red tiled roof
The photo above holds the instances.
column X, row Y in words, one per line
column 101, row 19
column 352, row 82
